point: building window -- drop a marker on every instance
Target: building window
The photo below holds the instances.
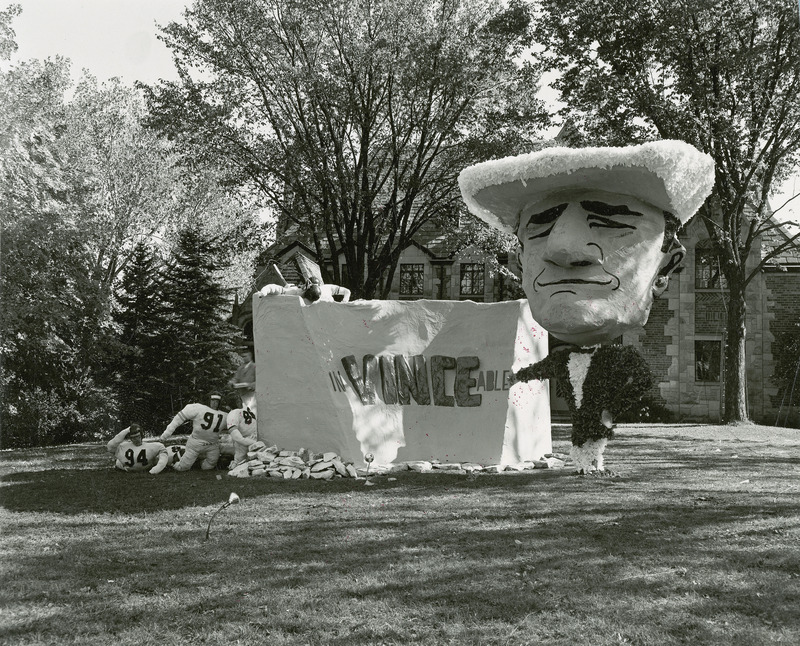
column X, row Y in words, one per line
column 472, row 279
column 707, row 269
column 708, row 361
column 412, row 280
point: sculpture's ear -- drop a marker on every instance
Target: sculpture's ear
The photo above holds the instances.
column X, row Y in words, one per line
column 515, row 260
column 672, row 259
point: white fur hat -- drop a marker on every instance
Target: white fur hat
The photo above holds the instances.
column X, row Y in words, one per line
column 670, row 175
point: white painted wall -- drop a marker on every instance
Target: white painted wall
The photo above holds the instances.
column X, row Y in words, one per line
column 307, row 399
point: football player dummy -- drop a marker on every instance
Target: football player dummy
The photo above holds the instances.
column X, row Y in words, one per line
column 207, row 424
column 175, row 453
column 133, row 454
column 243, row 432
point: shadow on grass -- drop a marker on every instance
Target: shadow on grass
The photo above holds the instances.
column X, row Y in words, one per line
column 527, row 555
column 76, row 491
column 106, row 490
column 667, row 553
column 542, row 550
column 77, row 479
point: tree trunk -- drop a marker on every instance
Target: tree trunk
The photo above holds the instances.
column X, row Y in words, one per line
column 736, row 356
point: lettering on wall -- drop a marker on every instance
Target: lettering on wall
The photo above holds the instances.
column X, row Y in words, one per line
column 402, row 379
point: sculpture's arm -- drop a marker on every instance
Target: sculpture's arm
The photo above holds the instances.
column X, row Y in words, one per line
column 544, row 369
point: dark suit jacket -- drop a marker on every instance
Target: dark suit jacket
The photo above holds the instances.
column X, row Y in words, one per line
column 615, row 381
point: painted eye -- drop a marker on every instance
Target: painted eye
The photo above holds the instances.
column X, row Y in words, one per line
column 599, row 221
column 539, row 225
column 541, row 231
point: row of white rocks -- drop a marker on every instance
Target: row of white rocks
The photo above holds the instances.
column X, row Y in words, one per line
column 549, row 461
column 293, row 465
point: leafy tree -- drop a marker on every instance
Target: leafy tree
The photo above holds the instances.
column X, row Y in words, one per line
column 722, row 75
column 198, row 344
column 81, row 183
column 352, row 119
column 230, row 217
column 7, row 43
column 51, row 340
column 129, row 187
column 121, row 176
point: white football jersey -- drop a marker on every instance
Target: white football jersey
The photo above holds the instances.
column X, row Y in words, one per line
column 130, row 457
column 207, row 423
column 243, row 420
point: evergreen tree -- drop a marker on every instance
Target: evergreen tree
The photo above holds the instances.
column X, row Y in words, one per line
column 199, row 343
column 141, row 317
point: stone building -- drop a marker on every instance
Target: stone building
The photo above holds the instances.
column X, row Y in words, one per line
column 432, row 267
column 684, row 338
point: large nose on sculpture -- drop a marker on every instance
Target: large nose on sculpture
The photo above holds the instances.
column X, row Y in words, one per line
column 571, row 241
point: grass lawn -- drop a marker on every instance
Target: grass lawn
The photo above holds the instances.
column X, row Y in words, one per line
column 696, row 541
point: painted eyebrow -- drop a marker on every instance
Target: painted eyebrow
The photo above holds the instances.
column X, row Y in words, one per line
column 602, row 208
column 548, row 215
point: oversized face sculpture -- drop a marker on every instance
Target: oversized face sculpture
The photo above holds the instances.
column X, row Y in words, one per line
column 591, row 262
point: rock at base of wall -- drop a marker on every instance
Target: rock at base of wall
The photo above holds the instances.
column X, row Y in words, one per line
column 293, row 465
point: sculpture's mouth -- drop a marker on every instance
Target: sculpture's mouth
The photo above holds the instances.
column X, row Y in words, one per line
column 574, row 283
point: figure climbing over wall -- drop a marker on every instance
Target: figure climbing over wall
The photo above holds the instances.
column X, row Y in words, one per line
column 597, row 229
column 312, row 291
